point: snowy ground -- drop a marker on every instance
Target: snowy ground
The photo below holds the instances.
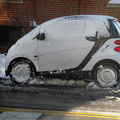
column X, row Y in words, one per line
column 2, row 66
column 6, row 80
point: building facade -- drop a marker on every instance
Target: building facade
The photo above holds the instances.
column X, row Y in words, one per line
column 17, row 16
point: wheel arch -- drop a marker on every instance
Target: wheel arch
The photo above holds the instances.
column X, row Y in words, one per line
column 16, row 59
column 105, row 61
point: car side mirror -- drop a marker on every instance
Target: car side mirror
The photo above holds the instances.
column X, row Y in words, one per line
column 40, row 36
column 93, row 38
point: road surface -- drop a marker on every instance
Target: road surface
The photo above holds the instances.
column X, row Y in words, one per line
column 59, row 103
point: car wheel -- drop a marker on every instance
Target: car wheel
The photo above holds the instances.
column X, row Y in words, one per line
column 107, row 75
column 22, row 71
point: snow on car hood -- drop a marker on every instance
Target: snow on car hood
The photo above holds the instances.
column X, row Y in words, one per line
column 30, row 36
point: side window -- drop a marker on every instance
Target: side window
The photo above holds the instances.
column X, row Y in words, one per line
column 98, row 27
column 117, row 26
column 90, row 28
column 103, row 27
column 65, row 29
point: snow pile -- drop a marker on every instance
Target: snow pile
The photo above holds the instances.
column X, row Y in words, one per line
column 56, row 81
column 2, row 66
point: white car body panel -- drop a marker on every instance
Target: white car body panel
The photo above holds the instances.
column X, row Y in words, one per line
column 65, row 56
column 104, row 53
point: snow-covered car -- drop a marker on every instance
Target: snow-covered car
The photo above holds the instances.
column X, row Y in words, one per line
column 80, row 45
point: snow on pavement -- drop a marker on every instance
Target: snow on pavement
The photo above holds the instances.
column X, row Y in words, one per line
column 2, row 66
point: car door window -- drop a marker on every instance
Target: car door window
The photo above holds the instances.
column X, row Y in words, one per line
column 117, row 26
column 65, row 29
column 96, row 26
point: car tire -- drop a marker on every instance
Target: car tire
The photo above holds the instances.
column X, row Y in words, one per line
column 22, row 71
column 106, row 75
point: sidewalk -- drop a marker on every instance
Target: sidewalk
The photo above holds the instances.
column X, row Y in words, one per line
column 19, row 116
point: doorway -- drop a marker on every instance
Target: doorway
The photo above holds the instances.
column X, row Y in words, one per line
column 8, row 36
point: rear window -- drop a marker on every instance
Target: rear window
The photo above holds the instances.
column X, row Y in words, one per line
column 117, row 26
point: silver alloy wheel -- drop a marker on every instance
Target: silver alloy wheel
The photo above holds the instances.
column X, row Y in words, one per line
column 21, row 72
column 107, row 76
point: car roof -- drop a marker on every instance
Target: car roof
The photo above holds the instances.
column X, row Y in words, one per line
column 77, row 17
column 83, row 17
column 89, row 17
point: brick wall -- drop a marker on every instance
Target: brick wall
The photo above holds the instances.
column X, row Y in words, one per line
column 40, row 10
column 98, row 7
column 23, row 12
column 43, row 10
column 48, row 9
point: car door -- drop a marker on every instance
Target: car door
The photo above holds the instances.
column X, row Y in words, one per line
column 65, row 45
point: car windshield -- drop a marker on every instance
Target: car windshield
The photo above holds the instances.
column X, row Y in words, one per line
column 117, row 25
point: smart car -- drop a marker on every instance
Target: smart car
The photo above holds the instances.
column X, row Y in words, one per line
column 79, row 45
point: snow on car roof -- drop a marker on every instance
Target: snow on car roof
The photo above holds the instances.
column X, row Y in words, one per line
column 63, row 25
column 78, row 17
column 89, row 17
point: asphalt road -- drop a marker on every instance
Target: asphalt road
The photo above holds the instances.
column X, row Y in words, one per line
column 61, row 103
